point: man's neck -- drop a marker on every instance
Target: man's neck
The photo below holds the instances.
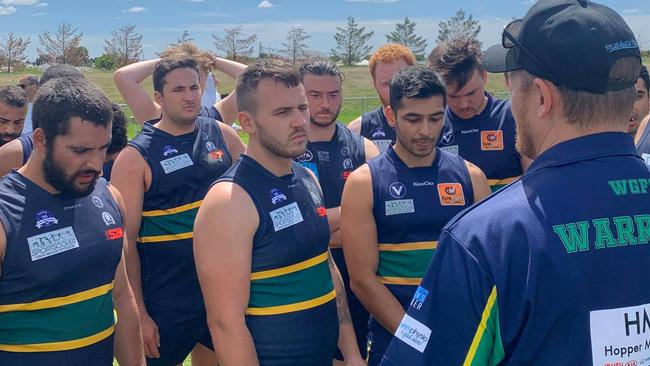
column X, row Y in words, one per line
column 564, row 131
column 411, row 160
column 173, row 128
column 278, row 166
column 33, row 170
column 321, row 133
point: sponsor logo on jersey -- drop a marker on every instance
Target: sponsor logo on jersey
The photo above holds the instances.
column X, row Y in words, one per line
column 397, row 190
column 472, row 130
column 413, row 333
column 108, row 219
column 491, row 140
column 210, row 146
column 378, row 132
column 169, row 150
column 426, row 183
column 51, row 243
column 451, row 194
column 45, row 218
column 321, row 211
column 307, row 156
column 324, row 156
column 215, row 156
column 277, row 196
column 419, row 298
column 345, row 151
column 286, row 216
column 347, row 163
column 114, row 234
column 345, row 175
column 175, row 163
column 97, row 202
column 399, row 207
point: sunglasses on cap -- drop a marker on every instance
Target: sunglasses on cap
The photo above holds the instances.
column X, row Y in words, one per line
column 509, row 40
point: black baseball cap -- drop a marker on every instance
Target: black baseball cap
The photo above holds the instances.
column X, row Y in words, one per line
column 573, row 43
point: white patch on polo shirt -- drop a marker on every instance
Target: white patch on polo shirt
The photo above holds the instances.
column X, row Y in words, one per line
column 413, row 333
column 286, row 216
column 51, row 243
column 176, row 163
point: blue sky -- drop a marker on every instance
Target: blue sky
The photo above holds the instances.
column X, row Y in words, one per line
column 162, row 22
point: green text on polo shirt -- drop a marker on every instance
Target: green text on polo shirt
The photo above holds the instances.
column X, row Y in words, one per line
column 604, row 233
column 623, row 187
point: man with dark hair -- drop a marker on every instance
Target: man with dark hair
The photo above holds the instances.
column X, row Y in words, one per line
column 163, row 174
column 281, row 307
column 552, row 268
column 119, row 139
column 333, row 152
column 394, row 207
column 640, row 112
column 384, row 63
column 29, row 83
column 59, row 71
column 13, row 108
column 479, row 127
column 144, row 108
column 61, row 242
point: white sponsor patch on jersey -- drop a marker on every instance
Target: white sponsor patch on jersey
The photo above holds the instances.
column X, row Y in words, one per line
column 51, row 243
column 413, row 333
column 176, row 163
column 286, row 216
column 620, row 335
column 399, row 207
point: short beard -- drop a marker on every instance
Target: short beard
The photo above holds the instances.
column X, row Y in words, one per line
column 56, row 177
column 274, row 146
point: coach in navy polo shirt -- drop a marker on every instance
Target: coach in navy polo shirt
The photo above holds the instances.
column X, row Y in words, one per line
column 553, row 269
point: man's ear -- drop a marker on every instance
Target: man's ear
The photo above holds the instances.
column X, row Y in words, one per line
column 246, row 122
column 40, row 142
column 390, row 116
column 157, row 97
column 549, row 97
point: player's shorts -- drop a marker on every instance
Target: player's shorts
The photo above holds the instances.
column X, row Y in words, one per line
column 180, row 331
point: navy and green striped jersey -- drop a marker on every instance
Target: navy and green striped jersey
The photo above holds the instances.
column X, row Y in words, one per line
column 487, row 140
column 291, row 312
column 410, row 208
column 549, row 270
column 56, row 305
column 182, row 170
column 375, row 127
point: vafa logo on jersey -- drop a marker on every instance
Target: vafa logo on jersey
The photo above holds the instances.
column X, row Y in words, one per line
column 378, row 132
column 277, row 196
column 397, row 190
column 307, row 156
column 169, row 150
column 45, row 218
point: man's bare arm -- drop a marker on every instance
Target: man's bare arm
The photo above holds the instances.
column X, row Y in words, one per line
column 11, row 157
column 128, row 80
column 227, row 106
column 236, row 146
column 129, row 176
column 361, row 250
column 223, row 263
column 355, row 126
column 128, row 347
column 370, row 148
column 479, row 182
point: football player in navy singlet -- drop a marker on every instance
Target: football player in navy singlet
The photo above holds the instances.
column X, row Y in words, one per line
column 551, row 269
column 383, row 64
column 62, row 270
column 640, row 113
column 478, row 126
column 269, row 285
column 13, row 109
column 145, row 108
column 163, row 174
column 333, row 152
column 395, row 206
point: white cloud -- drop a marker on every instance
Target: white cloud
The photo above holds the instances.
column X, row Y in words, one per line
column 19, row 2
column 42, row 5
column 7, row 10
column 37, row 14
column 373, row 1
column 630, row 11
column 266, row 4
column 135, row 9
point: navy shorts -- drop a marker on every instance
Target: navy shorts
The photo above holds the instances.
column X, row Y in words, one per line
column 180, row 331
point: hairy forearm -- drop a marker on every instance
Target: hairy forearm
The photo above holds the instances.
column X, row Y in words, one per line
column 379, row 302
column 233, row 343
column 228, row 67
column 135, row 281
column 347, row 340
column 128, row 346
column 136, row 72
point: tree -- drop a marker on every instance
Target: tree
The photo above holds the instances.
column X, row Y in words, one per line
column 125, row 45
column 351, row 42
column 404, row 34
column 185, row 37
column 60, row 46
column 233, row 43
column 458, row 26
column 104, row 62
column 295, row 46
column 12, row 50
column 78, row 57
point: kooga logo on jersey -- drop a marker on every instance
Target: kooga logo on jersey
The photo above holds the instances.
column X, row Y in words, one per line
column 423, row 184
